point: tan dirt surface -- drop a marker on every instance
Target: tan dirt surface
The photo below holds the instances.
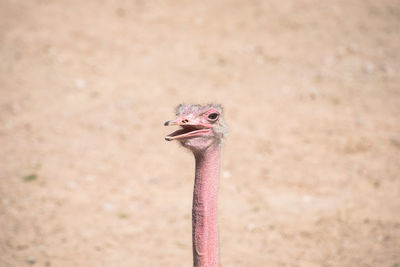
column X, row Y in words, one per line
column 311, row 167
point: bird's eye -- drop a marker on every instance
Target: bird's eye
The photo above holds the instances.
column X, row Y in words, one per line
column 213, row 116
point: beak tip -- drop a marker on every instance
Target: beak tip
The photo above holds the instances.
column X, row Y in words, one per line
column 166, row 123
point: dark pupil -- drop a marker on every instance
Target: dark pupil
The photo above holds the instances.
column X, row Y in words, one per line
column 213, row 116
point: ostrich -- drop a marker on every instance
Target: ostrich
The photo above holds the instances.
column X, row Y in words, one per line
column 202, row 130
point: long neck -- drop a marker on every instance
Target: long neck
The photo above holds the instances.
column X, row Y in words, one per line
column 205, row 206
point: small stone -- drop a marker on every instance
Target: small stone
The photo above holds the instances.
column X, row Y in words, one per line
column 395, row 142
column 251, row 227
column 125, row 104
column 226, row 174
column 329, row 60
column 30, row 260
column 353, row 48
column 80, row 83
column 10, row 124
column 71, row 184
column 89, row 178
column 313, row 92
column 387, row 69
column 15, row 107
column 108, row 206
column 368, row 67
column 307, row 199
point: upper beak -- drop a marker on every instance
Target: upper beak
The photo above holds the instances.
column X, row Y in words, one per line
column 175, row 122
column 172, row 123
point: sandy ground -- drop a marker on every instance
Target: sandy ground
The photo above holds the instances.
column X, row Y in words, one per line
column 311, row 168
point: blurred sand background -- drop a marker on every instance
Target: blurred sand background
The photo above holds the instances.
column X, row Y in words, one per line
column 311, row 168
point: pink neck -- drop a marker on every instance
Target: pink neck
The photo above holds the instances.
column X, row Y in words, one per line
column 205, row 206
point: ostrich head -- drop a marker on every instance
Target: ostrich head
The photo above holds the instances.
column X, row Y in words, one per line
column 201, row 126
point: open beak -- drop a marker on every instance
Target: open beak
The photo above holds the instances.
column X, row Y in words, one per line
column 187, row 129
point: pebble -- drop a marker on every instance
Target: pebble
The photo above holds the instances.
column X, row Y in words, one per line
column 71, row 184
column 226, row 174
column 368, row 67
column 30, row 260
column 89, row 178
column 108, row 206
column 307, row 199
column 80, row 83
column 251, row 227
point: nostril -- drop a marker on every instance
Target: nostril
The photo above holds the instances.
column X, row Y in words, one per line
column 185, row 121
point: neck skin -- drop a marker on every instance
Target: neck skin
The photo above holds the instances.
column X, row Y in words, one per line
column 205, row 206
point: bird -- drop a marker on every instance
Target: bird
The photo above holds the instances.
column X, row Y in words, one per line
column 202, row 131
